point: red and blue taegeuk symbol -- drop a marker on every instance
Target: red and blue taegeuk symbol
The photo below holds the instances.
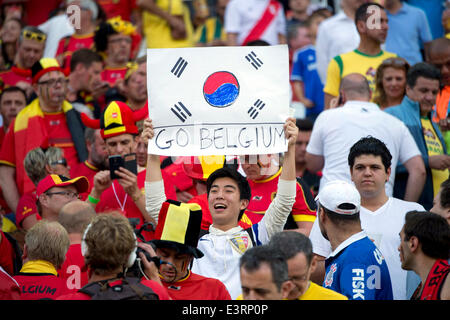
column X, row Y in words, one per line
column 221, row 89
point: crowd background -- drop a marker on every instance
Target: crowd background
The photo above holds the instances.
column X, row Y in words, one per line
column 66, row 67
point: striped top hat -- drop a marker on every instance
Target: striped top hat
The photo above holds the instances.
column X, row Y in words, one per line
column 116, row 119
column 44, row 66
column 179, row 227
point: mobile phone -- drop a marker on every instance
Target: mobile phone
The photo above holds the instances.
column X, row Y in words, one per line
column 115, row 162
column 130, row 162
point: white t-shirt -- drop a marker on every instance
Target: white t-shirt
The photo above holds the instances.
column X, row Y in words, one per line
column 382, row 227
column 242, row 15
column 335, row 131
column 335, row 35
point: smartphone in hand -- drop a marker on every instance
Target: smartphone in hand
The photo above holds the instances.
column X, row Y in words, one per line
column 128, row 162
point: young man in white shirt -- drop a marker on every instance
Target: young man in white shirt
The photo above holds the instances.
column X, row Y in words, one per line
column 228, row 196
column 336, row 130
column 382, row 217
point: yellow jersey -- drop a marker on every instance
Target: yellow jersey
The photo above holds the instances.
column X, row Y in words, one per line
column 316, row 292
column 353, row 62
column 157, row 30
column 434, row 147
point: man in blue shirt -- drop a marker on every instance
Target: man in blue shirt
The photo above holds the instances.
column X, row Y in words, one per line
column 408, row 30
column 356, row 268
column 306, row 81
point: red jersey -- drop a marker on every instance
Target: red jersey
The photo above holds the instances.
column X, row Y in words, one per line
column 31, row 129
column 73, row 270
column 26, row 207
column 116, row 199
column 39, row 280
column 111, row 75
column 67, row 46
column 180, row 179
column 84, row 169
column 114, row 8
column 14, row 75
column 197, row 287
column 155, row 286
column 9, row 288
column 264, row 191
column 59, row 136
column 2, row 134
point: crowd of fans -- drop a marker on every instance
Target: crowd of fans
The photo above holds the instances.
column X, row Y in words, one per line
column 356, row 208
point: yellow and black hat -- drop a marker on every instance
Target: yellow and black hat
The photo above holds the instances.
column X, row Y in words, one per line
column 116, row 119
column 44, row 66
column 179, row 227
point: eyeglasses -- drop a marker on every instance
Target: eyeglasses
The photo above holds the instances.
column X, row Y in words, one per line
column 52, row 82
column 30, row 35
column 68, row 194
column 62, row 161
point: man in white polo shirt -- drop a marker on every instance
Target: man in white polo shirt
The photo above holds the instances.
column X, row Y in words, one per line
column 336, row 130
column 250, row 20
column 382, row 217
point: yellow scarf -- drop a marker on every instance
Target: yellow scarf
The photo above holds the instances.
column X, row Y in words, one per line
column 38, row 266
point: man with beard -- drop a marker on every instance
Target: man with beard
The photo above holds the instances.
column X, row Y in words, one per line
column 97, row 157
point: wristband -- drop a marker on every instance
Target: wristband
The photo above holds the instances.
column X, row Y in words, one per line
column 93, row 200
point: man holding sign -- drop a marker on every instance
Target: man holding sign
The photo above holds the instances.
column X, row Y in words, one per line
column 228, row 196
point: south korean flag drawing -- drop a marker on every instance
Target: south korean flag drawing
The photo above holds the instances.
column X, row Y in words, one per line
column 218, row 100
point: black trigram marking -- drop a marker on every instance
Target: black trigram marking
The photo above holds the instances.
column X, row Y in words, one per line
column 180, row 111
column 179, row 67
column 254, row 60
column 254, row 110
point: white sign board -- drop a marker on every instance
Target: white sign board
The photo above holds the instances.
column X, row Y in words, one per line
column 218, row 100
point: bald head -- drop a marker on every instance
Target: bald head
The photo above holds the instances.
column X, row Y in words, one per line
column 439, row 46
column 355, row 87
column 438, row 54
column 76, row 215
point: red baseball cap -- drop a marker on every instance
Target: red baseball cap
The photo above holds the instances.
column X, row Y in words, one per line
column 54, row 180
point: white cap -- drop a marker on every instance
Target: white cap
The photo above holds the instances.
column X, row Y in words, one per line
column 336, row 193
